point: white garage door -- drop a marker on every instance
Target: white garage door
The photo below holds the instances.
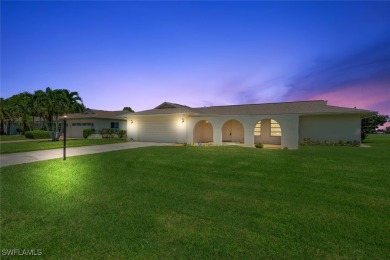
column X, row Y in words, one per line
column 77, row 131
column 158, row 130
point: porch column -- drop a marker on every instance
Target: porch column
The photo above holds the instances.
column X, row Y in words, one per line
column 249, row 138
column 217, row 134
column 290, row 132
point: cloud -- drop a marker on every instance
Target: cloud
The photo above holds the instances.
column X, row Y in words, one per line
column 252, row 89
column 369, row 67
column 360, row 79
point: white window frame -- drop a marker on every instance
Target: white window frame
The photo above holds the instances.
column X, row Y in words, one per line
column 276, row 130
column 257, row 130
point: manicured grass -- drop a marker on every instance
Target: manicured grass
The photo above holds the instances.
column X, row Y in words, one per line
column 45, row 144
column 203, row 202
column 12, row 137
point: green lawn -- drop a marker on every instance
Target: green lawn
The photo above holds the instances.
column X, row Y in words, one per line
column 12, row 137
column 46, row 144
column 203, row 202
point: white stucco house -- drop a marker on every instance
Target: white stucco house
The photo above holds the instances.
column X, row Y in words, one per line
column 274, row 123
column 93, row 119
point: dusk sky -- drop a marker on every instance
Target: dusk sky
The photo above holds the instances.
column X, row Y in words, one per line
column 139, row 54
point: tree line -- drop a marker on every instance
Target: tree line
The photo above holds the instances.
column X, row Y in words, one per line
column 49, row 105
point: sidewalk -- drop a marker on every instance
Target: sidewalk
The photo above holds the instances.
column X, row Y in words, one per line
column 35, row 156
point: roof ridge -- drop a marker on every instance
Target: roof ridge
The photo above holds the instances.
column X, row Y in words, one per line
column 103, row 110
column 255, row 104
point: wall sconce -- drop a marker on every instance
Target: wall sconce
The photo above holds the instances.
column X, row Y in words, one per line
column 131, row 121
column 182, row 119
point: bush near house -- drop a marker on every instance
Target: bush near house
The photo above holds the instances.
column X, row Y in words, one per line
column 37, row 134
column 259, row 145
column 308, row 141
column 88, row 132
column 113, row 133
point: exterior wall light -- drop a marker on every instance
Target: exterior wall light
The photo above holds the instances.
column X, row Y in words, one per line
column 131, row 121
column 182, row 119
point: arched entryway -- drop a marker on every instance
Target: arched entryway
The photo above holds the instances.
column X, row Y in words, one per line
column 268, row 131
column 232, row 132
column 203, row 132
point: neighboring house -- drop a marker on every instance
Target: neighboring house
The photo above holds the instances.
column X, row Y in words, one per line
column 285, row 123
column 13, row 128
column 10, row 128
column 93, row 119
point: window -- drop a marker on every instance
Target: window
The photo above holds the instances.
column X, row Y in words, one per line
column 83, row 124
column 275, row 128
column 258, row 129
column 115, row 125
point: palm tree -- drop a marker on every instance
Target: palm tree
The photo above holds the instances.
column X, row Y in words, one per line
column 54, row 107
column 39, row 104
column 74, row 102
column 49, row 105
column 58, row 103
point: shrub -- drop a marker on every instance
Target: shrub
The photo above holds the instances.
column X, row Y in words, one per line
column 308, row 141
column 121, row 133
column 259, row 145
column 36, row 134
column 113, row 133
column 107, row 133
column 88, row 132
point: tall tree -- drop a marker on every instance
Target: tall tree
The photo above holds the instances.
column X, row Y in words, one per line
column 49, row 105
column 39, row 104
column 128, row 109
column 5, row 115
column 21, row 108
column 58, row 103
column 370, row 124
column 74, row 102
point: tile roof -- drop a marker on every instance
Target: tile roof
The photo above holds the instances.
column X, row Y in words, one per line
column 166, row 105
column 95, row 113
column 298, row 107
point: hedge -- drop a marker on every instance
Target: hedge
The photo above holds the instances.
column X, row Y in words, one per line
column 113, row 133
column 37, row 134
column 88, row 132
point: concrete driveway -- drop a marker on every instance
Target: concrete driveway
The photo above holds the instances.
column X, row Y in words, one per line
column 35, row 156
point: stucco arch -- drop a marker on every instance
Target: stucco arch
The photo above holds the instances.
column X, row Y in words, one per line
column 233, row 131
column 268, row 135
column 203, row 132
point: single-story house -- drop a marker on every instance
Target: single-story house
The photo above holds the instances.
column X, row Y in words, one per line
column 93, row 119
column 284, row 124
